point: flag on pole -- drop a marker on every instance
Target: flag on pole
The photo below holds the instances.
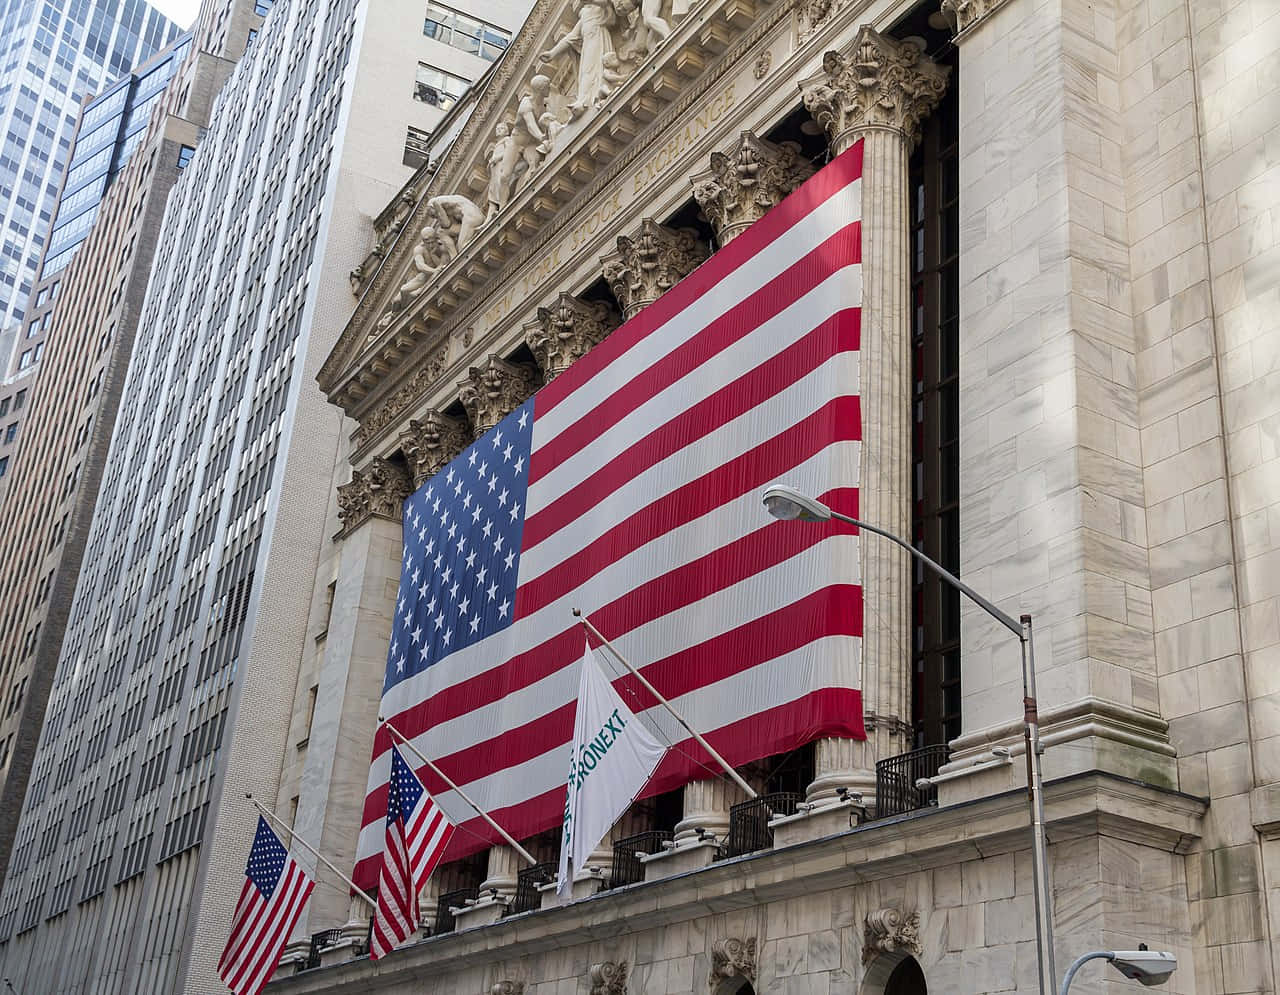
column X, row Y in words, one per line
column 629, row 487
column 275, row 889
column 611, row 759
column 417, row 833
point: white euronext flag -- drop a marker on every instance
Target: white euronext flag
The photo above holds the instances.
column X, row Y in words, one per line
column 613, row 757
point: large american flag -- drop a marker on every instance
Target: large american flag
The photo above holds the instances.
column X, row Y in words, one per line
column 630, row 487
column 416, row 835
column 275, row 889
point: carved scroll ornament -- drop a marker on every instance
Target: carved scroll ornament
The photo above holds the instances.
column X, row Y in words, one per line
column 507, row 988
column 609, row 978
column 877, row 83
column 565, row 331
column 887, row 931
column 650, row 263
column 732, row 957
column 743, row 184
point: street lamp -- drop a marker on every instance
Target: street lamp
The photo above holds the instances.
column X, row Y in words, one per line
column 788, row 504
column 1147, row 967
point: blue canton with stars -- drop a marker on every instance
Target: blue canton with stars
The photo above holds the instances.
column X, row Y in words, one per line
column 462, row 532
column 404, row 789
column 266, row 859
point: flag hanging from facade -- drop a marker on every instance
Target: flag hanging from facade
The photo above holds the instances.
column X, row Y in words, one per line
column 611, row 758
column 417, row 833
column 629, row 487
column 275, row 889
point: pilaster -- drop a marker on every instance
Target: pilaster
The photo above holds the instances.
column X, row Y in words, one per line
column 744, row 183
column 649, row 263
column 878, row 91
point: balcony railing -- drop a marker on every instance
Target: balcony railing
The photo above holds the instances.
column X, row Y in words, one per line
column 528, row 897
column 749, row 821
column 627, row 868
column 320, row 940
column 445, row 922
column 896, row 778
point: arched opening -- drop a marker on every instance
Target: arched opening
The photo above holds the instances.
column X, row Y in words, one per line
column 906, row 979
column 734, row 986
column 894, row 974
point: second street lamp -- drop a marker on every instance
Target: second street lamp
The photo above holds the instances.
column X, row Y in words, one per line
column 789, row 504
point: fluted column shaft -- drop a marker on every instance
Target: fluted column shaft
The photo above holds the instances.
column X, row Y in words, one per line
column 878, row 91
column 706, row 807
column 504, row 866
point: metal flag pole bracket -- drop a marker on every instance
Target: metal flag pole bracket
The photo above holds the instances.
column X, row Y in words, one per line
column 461, row 794
column 294, row 837
column 737, row 778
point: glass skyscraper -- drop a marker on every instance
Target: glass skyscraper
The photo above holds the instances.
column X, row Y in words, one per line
column 52, row 54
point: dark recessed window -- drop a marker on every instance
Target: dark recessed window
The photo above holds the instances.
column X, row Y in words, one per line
column 185, row 152
column 416, row 146
column 438, row 88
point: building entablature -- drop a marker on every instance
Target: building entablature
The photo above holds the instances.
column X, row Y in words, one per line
column 540, row 186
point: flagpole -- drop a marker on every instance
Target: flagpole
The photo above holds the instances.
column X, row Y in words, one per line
column 294, row 837
column 461, row 794
column 737, row 778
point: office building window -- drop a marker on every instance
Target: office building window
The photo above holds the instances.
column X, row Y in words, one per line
column 466, row 33
column 262, row 7
column 4, row 406
column 437, row 87
column 24, row 360
column 4, row 465
column 19, row 399
column 11, row 432
column 416, row 147
column 39, row 351
column 253, row 33
column 185, row 152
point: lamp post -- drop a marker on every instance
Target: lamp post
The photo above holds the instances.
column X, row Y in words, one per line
column 1147, row 967
column 788, row 504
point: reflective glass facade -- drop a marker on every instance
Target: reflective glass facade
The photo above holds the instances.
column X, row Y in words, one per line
column 52, row 54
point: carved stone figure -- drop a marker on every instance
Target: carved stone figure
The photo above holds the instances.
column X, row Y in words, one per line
column 456, row 218
column 431, row 443
column 886, row 931
column 963, row 13
column 431, row 254
column 609, row 978
column 528, row 134
column 565, row 331
column 377, row 491
column 501, row 159
column 732, row 957
column 650, row 263
column 881, row 83
column 746, row 182
column 494, row 390
column 591, row 39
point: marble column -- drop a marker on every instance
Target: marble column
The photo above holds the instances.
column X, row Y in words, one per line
column 878, row 90
column 504, row 867
column 706, row 808
column 744, row 183
column 649, row 263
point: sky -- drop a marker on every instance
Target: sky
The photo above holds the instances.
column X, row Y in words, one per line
column 182, row 12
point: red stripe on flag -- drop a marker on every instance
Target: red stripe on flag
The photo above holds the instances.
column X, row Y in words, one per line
column 817, row 190
column 838, row 334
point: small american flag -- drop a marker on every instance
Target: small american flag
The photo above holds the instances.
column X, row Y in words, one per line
column 417, row 833
column 275, row 889
column 629, row 487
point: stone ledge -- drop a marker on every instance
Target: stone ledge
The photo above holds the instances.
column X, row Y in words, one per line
column 1087, row 804
column 1264, row 804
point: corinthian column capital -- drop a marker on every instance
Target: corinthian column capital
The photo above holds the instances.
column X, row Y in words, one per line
column 877, row 83
column 744, row 183
column 649, row 263
column 564, row 332
column 493, row 391
column 431, row 443
column 377, row 491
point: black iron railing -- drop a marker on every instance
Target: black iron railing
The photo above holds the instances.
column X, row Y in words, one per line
column 320, row 940
column 445, row 922
column 627, row 868
column 896, row 778
column 527, row 895
column 749, row 821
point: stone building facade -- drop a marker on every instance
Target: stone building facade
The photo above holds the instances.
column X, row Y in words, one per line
column 1106, row 179
column 1112, row 201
